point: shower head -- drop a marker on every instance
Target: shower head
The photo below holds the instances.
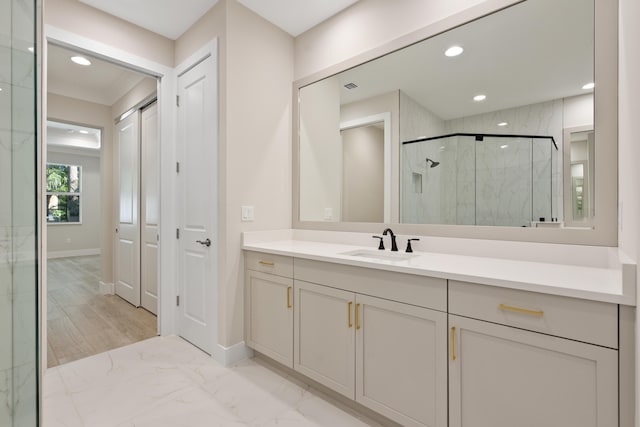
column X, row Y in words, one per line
column 433, row 162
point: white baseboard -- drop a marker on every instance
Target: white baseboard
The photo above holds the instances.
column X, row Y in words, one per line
column 228, row 356
column 107, row 288
column 73, row 253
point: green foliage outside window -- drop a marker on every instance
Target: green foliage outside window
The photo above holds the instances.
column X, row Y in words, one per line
column 63, row 193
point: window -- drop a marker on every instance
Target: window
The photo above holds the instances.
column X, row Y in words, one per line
column 63, row 193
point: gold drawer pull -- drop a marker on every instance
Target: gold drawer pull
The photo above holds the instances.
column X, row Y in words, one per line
column 349, row 324
column 289, row 297
column 357, row 317
column 537, row 313
column 269, row 263
column 452, row 343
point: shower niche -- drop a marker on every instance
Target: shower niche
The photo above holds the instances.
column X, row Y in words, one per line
column 480, row 179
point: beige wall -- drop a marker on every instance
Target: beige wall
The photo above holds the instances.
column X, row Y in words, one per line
column 78, row 18
column 363, row 174
column 258, row 147
column 99, row 116
column 320, row 151
column 212, row 24
column 143, row 90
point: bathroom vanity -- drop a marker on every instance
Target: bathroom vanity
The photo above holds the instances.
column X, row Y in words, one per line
column 435, row 339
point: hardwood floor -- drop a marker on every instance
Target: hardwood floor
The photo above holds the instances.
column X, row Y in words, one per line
column 82, row 322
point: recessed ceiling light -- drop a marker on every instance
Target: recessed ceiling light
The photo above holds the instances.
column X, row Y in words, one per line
column 504, row 146
column 31, row 49
column 453, row 51
column 501, row 124
column 81, row 60
column 589, row 86
column 480, row 97
column 84, row 132
column 0, row 89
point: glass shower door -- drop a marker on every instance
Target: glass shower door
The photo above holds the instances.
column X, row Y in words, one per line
column 18, row 217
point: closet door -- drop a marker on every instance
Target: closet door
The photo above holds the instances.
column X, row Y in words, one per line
column 149, row 208
column 127, row 259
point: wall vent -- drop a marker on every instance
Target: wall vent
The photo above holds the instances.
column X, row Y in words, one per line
column 351, row 86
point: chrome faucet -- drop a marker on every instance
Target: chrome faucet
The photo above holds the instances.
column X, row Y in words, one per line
column 394, row 246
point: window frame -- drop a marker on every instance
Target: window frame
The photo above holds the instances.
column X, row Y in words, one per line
column 64, row 193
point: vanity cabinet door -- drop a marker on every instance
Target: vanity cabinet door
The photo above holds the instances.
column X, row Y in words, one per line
column 269, row 315
column 324, row 328
column 401, row 361
column 501, row 376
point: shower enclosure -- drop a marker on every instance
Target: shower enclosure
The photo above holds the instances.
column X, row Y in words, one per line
column 479, row 179
column 18, row 216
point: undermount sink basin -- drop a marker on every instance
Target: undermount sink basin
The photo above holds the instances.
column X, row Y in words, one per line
column 380, row 255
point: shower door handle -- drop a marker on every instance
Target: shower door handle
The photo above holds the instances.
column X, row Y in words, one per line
column 206, row 242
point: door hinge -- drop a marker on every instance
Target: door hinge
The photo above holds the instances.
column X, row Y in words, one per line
column 177, row 167
column 178, row 300
column 177, row 100
column 157, row 237
column 177, row 233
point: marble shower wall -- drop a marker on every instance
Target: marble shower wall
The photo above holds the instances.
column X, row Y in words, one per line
column 498, row 181
column 18, row 260
column 546, row 119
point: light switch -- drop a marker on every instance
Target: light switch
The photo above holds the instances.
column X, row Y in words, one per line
column 247, row 213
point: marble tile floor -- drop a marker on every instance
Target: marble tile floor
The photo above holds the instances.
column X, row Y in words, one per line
column 167, row 382
column 80, row 320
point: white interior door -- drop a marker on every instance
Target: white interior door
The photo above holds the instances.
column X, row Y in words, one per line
column 149, row 207
column 127, row 259
column 197, row 215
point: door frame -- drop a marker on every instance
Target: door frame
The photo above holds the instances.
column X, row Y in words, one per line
column 167, row 113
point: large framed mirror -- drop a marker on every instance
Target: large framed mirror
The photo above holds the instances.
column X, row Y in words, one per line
column 483, row 115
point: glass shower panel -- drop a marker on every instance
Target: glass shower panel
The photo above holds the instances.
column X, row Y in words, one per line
column 503, row 181
column 18, row 217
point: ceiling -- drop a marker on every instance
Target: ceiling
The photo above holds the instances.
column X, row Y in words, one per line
column 171, row 18
column 102, row 82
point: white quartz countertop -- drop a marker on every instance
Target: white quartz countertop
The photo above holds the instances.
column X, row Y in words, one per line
column 592, row 283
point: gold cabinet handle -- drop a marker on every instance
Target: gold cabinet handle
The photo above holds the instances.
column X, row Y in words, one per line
column 289, row 297
column 269, row 263
column 452, row 343
column 349, row 324
column 537, row 313
column 357, row 317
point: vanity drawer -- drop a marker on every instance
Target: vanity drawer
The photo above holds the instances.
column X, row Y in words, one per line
column 269, row 263
column 427, row 292
column 583, row 320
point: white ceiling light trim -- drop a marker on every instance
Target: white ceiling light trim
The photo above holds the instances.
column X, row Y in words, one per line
column 81, row 60
column 454, row 51
column 589, row 86
column 479, row 98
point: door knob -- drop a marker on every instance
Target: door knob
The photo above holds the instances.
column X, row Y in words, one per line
column 206, row 242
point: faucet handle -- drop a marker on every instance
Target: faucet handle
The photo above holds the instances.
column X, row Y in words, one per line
column 381, row 245
column 409, row 248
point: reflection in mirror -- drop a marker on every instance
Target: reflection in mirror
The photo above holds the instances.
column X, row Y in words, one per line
column 478, row 179
column 490, row 160
column 579, row 178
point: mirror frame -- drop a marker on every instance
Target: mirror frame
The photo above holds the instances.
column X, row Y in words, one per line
column 605, row 223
